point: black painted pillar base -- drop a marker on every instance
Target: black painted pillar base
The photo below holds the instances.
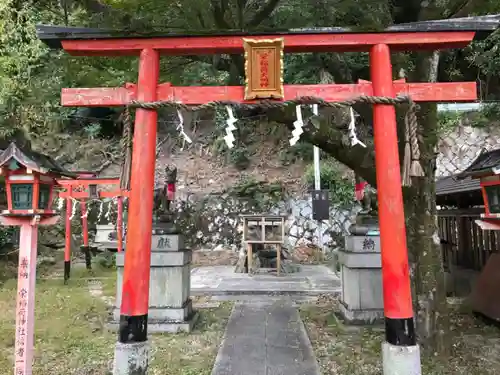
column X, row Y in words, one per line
column 133, row 329
column 400, row 352
column 88, row 257
column 400, row 332
column 132, row 348
column 67, row 270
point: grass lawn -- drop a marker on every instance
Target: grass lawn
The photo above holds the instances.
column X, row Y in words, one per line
column 352, row 350
column 71, row 335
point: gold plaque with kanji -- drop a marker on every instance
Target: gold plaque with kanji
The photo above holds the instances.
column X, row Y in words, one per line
column 264, row 68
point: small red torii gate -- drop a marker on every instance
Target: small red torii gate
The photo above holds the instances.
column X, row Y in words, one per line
column 81, row 189
column 398, row 309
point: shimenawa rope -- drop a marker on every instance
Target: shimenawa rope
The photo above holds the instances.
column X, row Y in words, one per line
column 415, row 169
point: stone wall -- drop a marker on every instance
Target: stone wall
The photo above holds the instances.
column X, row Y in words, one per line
column 303, row 230
column 212, row 222
column 458, row 148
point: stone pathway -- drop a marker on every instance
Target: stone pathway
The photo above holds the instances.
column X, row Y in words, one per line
column 265, row 338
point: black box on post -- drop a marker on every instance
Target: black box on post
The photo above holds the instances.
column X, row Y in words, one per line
column 320, row 205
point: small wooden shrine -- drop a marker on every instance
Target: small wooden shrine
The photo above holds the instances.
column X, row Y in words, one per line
column 261, row 230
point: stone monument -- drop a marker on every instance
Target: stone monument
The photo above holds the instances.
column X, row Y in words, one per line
column 361, row 300
column 170, row 305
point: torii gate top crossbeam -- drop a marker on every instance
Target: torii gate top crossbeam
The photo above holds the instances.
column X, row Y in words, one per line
column 441, row 34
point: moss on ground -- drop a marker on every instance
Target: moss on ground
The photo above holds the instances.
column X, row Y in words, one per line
column 71, row 335
column 342, row 349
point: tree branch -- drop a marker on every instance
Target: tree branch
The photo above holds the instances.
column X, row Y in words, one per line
column 218, row 12
column 263, row 13
column 319, row 131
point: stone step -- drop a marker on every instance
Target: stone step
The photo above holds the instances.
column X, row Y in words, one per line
column 263, row 298
column 243, row 292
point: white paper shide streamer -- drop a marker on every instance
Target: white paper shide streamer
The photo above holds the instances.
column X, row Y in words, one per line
column 352, row 130
column 108, row 212
column 298, row 125
column 229, row 137
column 73, row 209
column 60, row 203
column 87, row 210
column 101, row 209
column 180, row 128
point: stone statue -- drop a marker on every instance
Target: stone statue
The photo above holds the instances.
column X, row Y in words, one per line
column 161, row 203
column 367, row 218
column 370, row 202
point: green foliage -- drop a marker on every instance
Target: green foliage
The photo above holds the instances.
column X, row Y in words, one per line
column 250, row 188
column 488, row 115
column 7, row 237
column 341, row 188
column 239, row 157
column 448, row 121
column 106, row 260
column 300, row 151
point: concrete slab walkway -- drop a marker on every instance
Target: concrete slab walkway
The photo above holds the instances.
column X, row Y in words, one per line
column 222, row 280
column 265, row 338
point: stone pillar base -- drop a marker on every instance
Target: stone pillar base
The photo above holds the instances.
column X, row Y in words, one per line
column 361, row 301
column 170, row 305
column 399, row 360
column 131, row 359
column 361, row 317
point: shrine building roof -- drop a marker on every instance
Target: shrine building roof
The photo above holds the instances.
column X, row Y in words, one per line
column 482, row 26
column 487, row 163
column 33, row 160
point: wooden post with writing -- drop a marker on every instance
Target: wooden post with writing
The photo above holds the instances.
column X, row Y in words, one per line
column 25, row 300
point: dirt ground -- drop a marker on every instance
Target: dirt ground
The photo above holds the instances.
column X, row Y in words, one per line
column 341, row 349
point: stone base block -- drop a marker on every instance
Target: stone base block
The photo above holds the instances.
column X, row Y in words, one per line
column 131, row 359
column 174, row 314
column 399, row 360
column 165, row 325
column 371, row 316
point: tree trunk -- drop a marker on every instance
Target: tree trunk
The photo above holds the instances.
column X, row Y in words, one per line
column 422, row 231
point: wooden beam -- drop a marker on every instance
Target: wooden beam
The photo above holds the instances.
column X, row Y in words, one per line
column 297, row 43
column 193, row 95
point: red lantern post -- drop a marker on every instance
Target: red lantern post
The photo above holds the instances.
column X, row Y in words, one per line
column 30, row 178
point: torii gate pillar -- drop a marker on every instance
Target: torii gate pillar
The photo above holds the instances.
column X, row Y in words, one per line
column 401, row 354
column 132, row 351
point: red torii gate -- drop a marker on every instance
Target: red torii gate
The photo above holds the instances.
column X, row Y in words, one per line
column 82, row 188
column 398, row 310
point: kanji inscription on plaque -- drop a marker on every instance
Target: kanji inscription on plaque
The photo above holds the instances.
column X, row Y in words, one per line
column 368, row 244
column 264, row 68
column 163, row 243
